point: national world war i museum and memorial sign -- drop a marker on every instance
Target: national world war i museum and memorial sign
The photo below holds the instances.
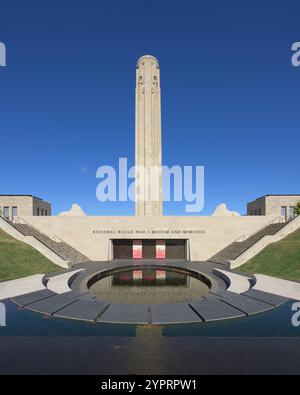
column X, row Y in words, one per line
column 149, row 234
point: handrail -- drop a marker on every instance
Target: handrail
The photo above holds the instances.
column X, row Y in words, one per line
column 245, row 237
column 77, row 253
column 60, row 245
column 22, row 221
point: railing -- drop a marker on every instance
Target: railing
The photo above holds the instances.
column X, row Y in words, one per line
column 244, row 237
column 70, row 250
column 59, row 247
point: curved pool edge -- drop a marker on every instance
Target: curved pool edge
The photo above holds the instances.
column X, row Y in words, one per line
column 219, row 304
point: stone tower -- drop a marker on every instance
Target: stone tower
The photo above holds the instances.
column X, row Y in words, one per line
column 148, row 152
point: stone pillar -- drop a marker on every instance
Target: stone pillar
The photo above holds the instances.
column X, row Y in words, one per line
column 148, row 154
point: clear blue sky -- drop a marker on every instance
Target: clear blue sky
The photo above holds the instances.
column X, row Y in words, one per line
column 230, row 96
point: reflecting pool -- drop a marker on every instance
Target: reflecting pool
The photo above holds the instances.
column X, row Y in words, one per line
column 149, row 285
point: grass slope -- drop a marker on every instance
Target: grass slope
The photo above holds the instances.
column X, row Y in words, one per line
column 280, row 259
column 18, row 259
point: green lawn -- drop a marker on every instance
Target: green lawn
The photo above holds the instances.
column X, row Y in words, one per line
column 280, row 259
column 18, row 259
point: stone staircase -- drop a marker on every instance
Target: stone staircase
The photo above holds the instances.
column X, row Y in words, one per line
column 58, row 246
column 237, row 248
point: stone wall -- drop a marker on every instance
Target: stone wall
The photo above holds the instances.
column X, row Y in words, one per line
column 92, row 235
column 26, row 205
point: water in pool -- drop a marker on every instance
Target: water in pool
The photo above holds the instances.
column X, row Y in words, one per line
column 150, row 286
column 276, row 322
column 273, row 323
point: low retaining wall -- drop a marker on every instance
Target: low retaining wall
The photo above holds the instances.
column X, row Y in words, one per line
column 33, row 242
column 264, row 242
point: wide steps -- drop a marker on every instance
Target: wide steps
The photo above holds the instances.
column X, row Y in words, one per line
column 235, row 249
column 62, row 249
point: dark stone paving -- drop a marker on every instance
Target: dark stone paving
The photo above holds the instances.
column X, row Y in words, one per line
column 85, row 310
column 24, row 300
column 214, row 310
column 173, row 313
column 274, row 300
column 81, row 305
column 244, row 304
column 211, row 296
column 125, row 313
column 51, row 305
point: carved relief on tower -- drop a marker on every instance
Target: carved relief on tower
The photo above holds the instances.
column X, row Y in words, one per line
column 140, row 82
column 147, row 58
column 154, row 83
column 147, row 74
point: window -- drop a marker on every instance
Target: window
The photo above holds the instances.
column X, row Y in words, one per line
column 6, row 213
column 284, row 212
column 14, row 212
column 291, row 212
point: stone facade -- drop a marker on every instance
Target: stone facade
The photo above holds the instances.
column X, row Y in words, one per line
column 97, row 236
column 276, row 205
column 93, row 235
column 148, row 151
column 23, row 205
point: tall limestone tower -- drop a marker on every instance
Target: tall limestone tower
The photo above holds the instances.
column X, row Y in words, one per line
column 148, row 153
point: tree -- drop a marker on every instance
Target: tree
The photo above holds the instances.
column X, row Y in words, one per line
column 297, row 209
